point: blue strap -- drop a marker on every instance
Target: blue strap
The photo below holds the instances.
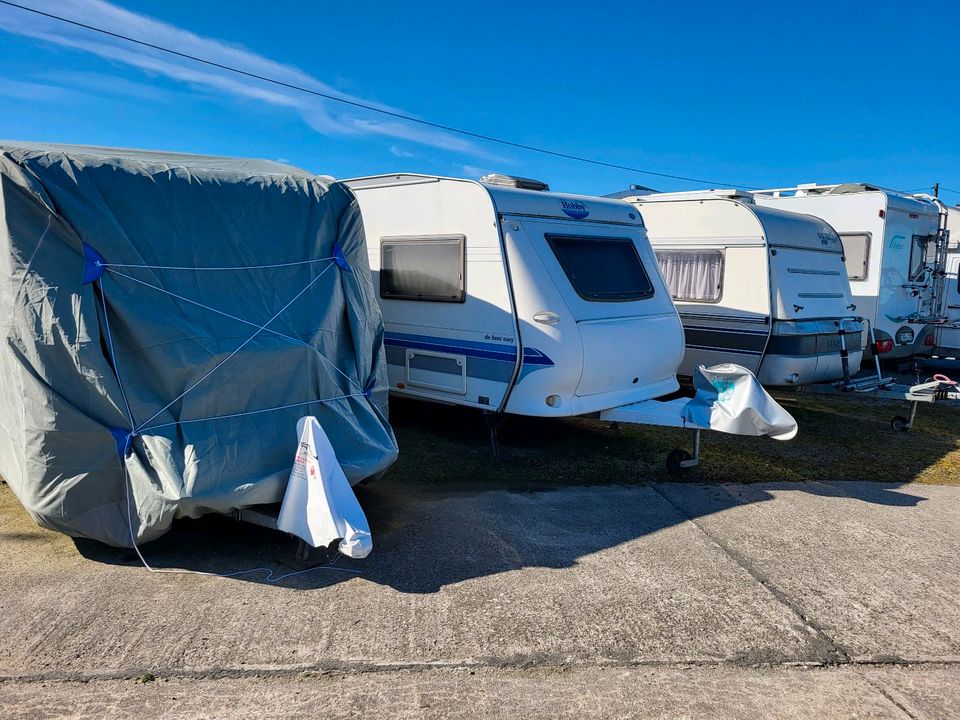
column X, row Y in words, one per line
column 371, row 384
column 93, row 264
column 340, row 259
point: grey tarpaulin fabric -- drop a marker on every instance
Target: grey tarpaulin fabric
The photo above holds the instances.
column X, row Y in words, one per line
column 101, row 357
column 730, row 399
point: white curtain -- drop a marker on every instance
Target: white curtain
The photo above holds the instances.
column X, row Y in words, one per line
column 692, row 274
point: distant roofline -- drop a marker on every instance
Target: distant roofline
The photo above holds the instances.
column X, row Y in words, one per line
column 175, row 158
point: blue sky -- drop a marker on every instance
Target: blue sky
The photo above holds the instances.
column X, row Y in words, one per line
column 757, row 94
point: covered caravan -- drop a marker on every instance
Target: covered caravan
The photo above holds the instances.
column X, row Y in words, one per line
column 168, row 319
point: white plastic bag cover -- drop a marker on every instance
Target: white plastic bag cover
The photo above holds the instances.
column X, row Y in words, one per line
column 319, row 506
column 730, row 399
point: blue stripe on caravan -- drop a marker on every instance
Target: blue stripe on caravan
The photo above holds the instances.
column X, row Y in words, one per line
column 470, row 348
column 733, row 351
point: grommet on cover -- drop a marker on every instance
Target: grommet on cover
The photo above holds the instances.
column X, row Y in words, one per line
column 371, row 384
column 339, row 259
column 93, row 264
column 124, row 440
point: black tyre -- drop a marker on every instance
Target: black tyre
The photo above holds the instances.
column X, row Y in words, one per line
column 900, row 424
column 674, row 463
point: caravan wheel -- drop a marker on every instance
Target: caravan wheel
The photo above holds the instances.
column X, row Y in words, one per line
column 675, row 460
column 900, row 424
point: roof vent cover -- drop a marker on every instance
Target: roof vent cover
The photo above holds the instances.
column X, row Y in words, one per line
column 847, row 188
column 514, row 182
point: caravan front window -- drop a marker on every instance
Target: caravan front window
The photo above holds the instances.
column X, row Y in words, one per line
column 423, row 268
column 856, row 254
column 693, row 275
column 602, row 269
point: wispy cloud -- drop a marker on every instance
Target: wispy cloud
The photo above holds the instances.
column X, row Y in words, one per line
column 472, row 171
column 106, row 85
column 36, row 91
column 399, row 152
column 324, row 116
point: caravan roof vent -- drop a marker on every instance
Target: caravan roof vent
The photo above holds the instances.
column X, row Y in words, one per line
column 632, row 191
column 516, row 182
column 847, row 188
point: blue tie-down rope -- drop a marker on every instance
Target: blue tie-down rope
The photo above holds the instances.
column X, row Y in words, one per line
column 240, row 347
column 277, row 333
column 94, row 265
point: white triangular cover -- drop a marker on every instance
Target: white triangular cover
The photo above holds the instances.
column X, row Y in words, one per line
column 319, row 505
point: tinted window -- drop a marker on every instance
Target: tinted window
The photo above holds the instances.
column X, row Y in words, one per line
column 423, row 268
column 918, row 256
column 602, row 269
column 695, row 275
column 856, row 254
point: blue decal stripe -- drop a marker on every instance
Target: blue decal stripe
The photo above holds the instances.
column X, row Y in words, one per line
column 445, row 341
column 531, row 356
column 734, row 351
column 738, row 331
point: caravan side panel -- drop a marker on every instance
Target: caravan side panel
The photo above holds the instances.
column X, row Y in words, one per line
column 733, row 324
column 948, row 335
column 462, row 352
column 886, row 226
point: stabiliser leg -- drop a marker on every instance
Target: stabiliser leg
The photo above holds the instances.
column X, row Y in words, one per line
column 680, row 462
column 844, row 355
column 494, row 420
column 913, row 415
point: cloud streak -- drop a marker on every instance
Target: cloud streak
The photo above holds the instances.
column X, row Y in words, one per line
column 324, row 116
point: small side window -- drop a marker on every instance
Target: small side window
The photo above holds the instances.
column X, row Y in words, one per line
column 423, row 268
column 693, row 275
column 856, row 254
column 918, row 256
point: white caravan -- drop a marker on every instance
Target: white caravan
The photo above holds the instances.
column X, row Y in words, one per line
column 517, row 300
column 890, row 243
column 760, row 287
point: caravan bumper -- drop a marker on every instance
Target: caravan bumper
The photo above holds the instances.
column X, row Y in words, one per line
column 810, row 351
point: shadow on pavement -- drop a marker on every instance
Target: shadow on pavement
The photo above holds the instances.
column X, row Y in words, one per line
column 424, row 541
column 448, row 511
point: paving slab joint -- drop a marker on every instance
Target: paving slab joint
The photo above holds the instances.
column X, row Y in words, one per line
column 833, row 652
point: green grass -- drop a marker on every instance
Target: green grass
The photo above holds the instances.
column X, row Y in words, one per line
column 839, row 439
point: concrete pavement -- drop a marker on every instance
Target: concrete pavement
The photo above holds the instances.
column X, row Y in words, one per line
column 655, row 600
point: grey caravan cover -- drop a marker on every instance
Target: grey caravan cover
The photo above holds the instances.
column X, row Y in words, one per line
column 168, row 319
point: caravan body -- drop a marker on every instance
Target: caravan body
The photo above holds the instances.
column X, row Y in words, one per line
column 889, row 244
column 760, row 287
column 515, row 300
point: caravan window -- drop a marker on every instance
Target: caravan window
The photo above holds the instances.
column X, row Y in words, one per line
column 693, row 275
column 918, row 256
column 423, row 268
column 602, row 269
column 856, row 254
